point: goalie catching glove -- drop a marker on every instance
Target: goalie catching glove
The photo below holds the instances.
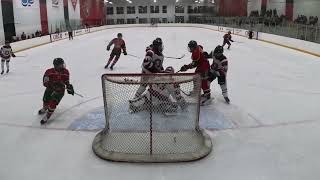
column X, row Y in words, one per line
column 70, row 89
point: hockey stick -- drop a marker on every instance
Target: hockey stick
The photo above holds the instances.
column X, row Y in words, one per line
column 134, row 56
column 79, row 95
column 182, row 56
column 187, row 94
column 22, row 56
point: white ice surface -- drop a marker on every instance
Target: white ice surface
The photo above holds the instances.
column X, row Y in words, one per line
column 275, row 95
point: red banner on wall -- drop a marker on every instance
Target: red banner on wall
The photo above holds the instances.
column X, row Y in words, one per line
column 263, row 6
column 289, row 9
column 92, row 12
column 44, row 17
column 233, row 7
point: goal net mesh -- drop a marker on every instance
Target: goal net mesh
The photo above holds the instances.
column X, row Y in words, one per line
column 160, row 123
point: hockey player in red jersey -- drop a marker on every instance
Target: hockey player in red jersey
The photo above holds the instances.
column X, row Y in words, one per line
column 56, row 81
column 119, row 44
column 219, row 68
column 6, row 54
column 226, row 39
column 152, row 63
column 201, row 63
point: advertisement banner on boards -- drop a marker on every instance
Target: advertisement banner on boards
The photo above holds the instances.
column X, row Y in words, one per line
column 26, row 3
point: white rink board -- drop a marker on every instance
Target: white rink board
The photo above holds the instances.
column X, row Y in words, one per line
column 273, row 115
column 295, row 43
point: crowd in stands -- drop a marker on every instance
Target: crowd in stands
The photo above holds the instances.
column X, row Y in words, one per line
column 301, row 19
column 23, row 36
column 271, row 17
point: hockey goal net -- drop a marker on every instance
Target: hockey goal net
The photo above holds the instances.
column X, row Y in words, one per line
column 159, row 125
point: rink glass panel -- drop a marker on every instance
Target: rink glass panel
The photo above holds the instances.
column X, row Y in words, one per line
column 162, row 126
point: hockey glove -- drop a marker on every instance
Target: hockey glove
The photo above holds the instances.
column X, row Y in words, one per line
column 13, row 55
column 125, row 53
column 184, row 68
column 212, row 75
column 70, row 89
column 108, row 48
column 206, row 55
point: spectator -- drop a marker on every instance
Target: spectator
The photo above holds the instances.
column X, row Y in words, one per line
column 37, row 34
column 275, row 13
column 313, row 20
column 23, row 36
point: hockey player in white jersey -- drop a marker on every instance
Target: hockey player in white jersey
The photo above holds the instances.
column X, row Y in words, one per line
column 6, row 54
column 152, row 63
column 163, row 98
column 219, row 69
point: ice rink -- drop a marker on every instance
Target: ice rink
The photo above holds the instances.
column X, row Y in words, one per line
column 270, row 131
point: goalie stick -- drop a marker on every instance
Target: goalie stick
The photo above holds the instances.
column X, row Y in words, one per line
column 185, row 93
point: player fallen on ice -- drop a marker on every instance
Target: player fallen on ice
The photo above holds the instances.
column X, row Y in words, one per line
column 201, row 63
column 6, row 54
column 152, row 63
column 119, row 44
column 219, row 69
column 226, row 39
column 56, row 81
column 163, row 98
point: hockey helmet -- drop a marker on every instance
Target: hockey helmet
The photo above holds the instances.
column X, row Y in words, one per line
column 192, row 45
column 157, row 45
column 58, row 64
column 159, row 39
column 119, row 35
column 229, row 32
column 169, row 69
column 218, row 51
